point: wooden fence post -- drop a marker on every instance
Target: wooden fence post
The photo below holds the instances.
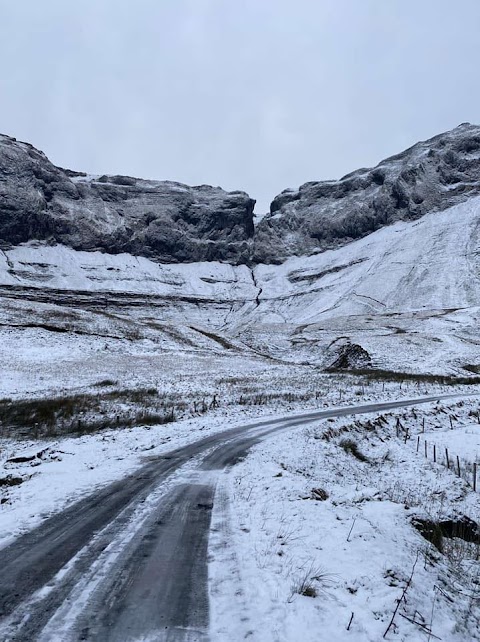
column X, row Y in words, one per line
column 418, row 442
column 426, row 453
column 448, row 460
column 451, row 422
column 458, row 465
column 434, row 453
column 475, row 476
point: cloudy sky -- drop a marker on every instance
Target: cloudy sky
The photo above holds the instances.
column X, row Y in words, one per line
column 257, row 95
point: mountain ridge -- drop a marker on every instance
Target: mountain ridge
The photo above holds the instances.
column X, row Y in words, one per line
column 431, row 175
column 163, row 220
column 170, row 222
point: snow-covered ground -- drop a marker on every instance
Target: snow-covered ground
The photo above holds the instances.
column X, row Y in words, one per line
column 309, row 542
column 275, row 535
column 68, row 466
column 216, row 345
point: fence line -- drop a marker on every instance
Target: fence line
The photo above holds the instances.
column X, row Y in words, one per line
column 471, row 478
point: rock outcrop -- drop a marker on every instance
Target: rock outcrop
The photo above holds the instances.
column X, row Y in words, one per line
column 350, row 356
column 170, row 222
column 165, row 221
column 431, row 175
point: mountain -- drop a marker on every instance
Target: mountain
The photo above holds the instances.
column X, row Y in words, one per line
column 407, row 293
column 81, row 268
column 174, row 223
column 166, row 221
column 430, row 176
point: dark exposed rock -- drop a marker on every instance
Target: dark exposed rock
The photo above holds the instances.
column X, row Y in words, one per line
column 11, row 480
column 431, row 175
column 165, row 221
column 172, row 222
column 351, row 356
column 319, row 494
column 462, row 528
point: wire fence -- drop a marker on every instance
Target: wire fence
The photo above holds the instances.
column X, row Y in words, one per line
column 441, row 454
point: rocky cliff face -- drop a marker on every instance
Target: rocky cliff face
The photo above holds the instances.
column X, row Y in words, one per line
column 165, row 221
column 431, row 175
column 170, row 223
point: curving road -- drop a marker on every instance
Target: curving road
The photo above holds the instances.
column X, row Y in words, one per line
column 129, row 562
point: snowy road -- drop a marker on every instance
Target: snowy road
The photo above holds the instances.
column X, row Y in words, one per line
column 129, row 562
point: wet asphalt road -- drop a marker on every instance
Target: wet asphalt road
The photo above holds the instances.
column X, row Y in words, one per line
column 156, row 588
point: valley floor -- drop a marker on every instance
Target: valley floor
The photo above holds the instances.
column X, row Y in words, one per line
column 314, row 527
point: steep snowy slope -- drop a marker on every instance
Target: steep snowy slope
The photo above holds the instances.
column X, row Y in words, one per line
column 401, row 278
column 408, row 293
column 429, row 264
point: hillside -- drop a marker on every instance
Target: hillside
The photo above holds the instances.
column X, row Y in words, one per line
column 406, row 293
column 430, row 176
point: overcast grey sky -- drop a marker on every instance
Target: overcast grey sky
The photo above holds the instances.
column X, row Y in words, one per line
column 257, row 95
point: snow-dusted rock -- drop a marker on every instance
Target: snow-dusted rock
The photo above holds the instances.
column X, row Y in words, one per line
column 174, row 223
column 349, row 356
column 431, row 175
column 166, row 221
